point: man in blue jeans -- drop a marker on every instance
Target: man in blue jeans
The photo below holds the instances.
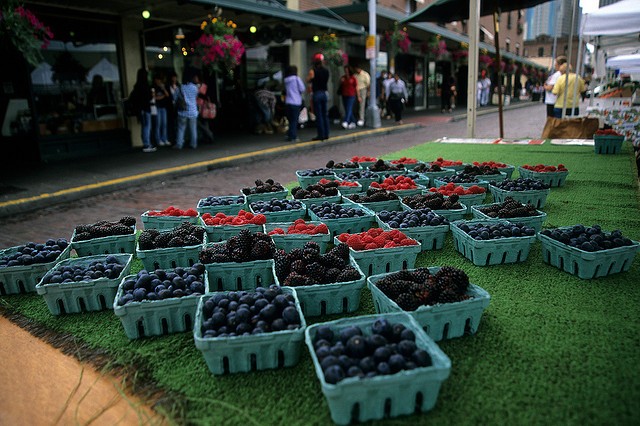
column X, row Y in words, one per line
column 188, row 116
column 318, row 77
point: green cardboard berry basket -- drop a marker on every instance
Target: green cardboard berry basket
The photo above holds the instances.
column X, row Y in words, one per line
column 394, row 395
column 266, row 196
column 538, row 197
column 429, row 237
column 288, row 242
column 241, row 354
column 471, row 200
column 450, row 214
column 112, row 244
column 394, row 173
column 378, row 206
column 607, row 144
column 284, row 215
column 330, row 299
column 346, row 190
column 550, row 178
column 231, row 209
column 231, row 276
column 491, row 252
column 409, row 192
column 441, row 321
column 366, row 182
column 306, row 181
column 488, row 178
column 216, row 233
column 23, row 279
column 331, row 199
column 163, row 223
column 170, row 257
column 377, row 261
column 350, row 225
column 533, row 221
column 481, row 183
column 508, row 170
column 76, row 297
column 432, row 176
column 584, row 264
column 157, row 317
column 366, row 164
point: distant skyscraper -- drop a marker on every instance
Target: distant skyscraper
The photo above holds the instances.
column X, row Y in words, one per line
column 607, row 2
column 550, row 18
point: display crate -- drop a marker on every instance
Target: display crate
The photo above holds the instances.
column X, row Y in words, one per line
column 537, row 197
column 170, row 257
column 432, row 176
column 471, row 200
column 266, row 196
column 288, row 242
column 607, row 144
column 507, row 170
column 377, row 261
column 284, row 215
column 330, row 199
column 163, row 223
column 113, row 244
column 366, row 164
column 533, row 221
column 231, row 276
column 481, row 183
column 488, row 178
column 429, row 237
column 352, row 224
column 230, row 210
column 23, row 279
column 550, row 178
column 449, row 214
column 306, row 181
column 378, row 206
column 346, row 190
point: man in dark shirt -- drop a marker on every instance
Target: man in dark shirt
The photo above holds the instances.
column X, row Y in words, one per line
column 318, row 77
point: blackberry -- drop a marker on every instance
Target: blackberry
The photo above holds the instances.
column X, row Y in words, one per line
column 162, row 240
column 282, row 264
column 341, row 251
column 349, row 274
column 191, row 240
column 100, row 231
column 299, row 267
column 393, row 288
column 332, row 261
column 331, row 276
column 295, row 280
column 81, row 229
column 408, row 302
column 146, row 241
column 262, row 250
column 421, row 275
column 128, row 221
column 402, row 275
column 245, row 239
column 206, row 255
column 121, row 230
column 239, row 255
column 295, row 254
column 261, row 236
column 310, row 255
column 454, row 277
column 311, row 245
column 176, row 242
column 316, row 272
column 82, row 236
column 153, row 232
column 423, row 294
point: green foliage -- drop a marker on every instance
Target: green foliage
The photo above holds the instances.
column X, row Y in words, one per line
column 24, row 30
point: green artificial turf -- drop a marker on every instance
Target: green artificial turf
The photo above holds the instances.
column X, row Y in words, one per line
column 551, row 348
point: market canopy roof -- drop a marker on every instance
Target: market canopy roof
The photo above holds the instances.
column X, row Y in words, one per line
column 624, row 61
column 616, row 19
column 457, row 10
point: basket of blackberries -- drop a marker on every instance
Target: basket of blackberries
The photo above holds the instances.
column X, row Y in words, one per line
column 512, row 210
column 447, row 207
column 279, row 210
column 242, row 262
column 84, row 284
column 376, row 250
column 227, row 204
column 502, row 167
column 484, row 173
column 377, row 199
column 23, row 266
column 549, row 174
column 309, row 177
column 433, row 171
column 423, row 225
column 105, row 237
column 383, row 166
column 441, row 299
column 290, row 235
column 343, row 167
column 342, row 217
column 168, row 218
column 169, row 249
column 231, row 341
column 373, row 367
column 363, row 177
column 319, row 192
column 524, row 190
column 264, row 191
column 607, row 141
column 588, row 251
column 327, row 283
column 155, row 303
column 493, row 241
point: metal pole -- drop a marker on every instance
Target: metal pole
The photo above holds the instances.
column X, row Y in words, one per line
column 373, row 114
column 472, row 72
column 569, row 57
column 496, row 26
column 578, row 66
column 554, row 52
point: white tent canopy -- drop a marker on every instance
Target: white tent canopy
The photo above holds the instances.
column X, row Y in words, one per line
column 624, row 61
column 619, row 18
column 106, row 69
column 42, row 75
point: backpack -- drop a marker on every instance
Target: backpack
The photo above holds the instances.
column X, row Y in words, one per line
column 181, row 102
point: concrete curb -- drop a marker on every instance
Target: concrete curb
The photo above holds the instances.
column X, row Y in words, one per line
column 22, row 205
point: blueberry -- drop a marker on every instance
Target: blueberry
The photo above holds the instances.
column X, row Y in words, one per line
column 243, row 328
column 383, row 327
column 328, row 361
column 268, row 312
column 367, row 364
column 334, row 374
column 139, row 294
column 421, row 358
column 396, row 363
column 355, row 371
column 397, row 331
column 324, row 332
column 356, row 347
column 278, row 324
column 243, row 315
column 375, row 341
column 381, row 354
column 322, row 352
column 383, row 368
column 406, row 347
column 290, row 315
column 407, row 334
column 348, row 332
column 337, row 349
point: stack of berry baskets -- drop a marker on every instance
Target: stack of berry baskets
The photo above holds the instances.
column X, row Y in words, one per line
column 432, row 172
column 227, row 204
column 363, row 161
column 418, row 178
column 550, row 175
column 471, row 196
column 347, row 187
column 310, row 176
column 456, row 165
column 400, row 185
column 526, row 191
column 572, row 250
column 423, row 225
column 279, row 210
column 513, row 211
column 376, row 200
column 22, row 267
column 221, row 226
column 326, row 284
column 316, row 193
column 243, row 262
column 345, row 216
column 382, row 167
column 449, row 208
column 105, row 237
column 146, row 309
column 264, row 191
column 168, row 218
column 83, row 283
column 170, row 249
column 383, row 391
column 492, row 241
column 440, row 299
column 407, row 163
column 276, row 344
column 290, row 235
column 377, row 251
column 363, row 177
column 502, row 167
column 344, row 167
column 607, row 141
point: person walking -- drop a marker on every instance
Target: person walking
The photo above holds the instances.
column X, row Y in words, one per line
column 348, row 91
column 364, row 85
column 319, row 77
column 266, row 103
column 172, row 111
column 549, row 97
column 486, row 88
column 163, row 102
column 294, row 88
column 566, row 84
column 397, row 96
column 140, row 98
column 189, row 116
column 446, row 94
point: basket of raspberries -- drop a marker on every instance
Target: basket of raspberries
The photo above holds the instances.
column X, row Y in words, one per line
column 154, row 303
column 169, row 249
column 524, row 190
column 493, row 241
column 327, row 283
column 323, row 190
column 588, row 251
column 512, row 210
column 502, row 167
column 84, row 284
column 244, row 344
column 222, row 226
column 548, row 174
column 311, row 176
column 347, row 186
column 290, row 235
column 423, row 225
column 363, row 177
column 227, row 204
column 441, row 299
column 456, row 165
column 471, row 196
column 402, row 186
column 168, row 218
column 387, row 367
column 264, row 191
column 377, row 200
column 342, row 217
column 376, row 250
column 105, row 237
column 407, row 163
column 447, row 207
column 243, row 262
column 607, row 141
column 363, row 161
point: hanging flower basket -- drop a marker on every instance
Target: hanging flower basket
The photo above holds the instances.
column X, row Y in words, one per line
column 25, row 31
column 333, row 54
column 460, row 56
column 485, row 60
column 396, row 40
column 218, row 49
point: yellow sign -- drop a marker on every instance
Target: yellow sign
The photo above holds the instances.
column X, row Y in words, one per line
column 371, row 41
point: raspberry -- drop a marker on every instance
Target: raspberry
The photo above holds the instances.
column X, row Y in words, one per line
column 408, row 242
column 343, row 237
column 355, row 242
column 371, row 246
column 322, row 229
column 276, row 231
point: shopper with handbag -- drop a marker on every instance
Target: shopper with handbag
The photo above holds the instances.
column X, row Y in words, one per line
column 294, row 88
column 188, row 117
